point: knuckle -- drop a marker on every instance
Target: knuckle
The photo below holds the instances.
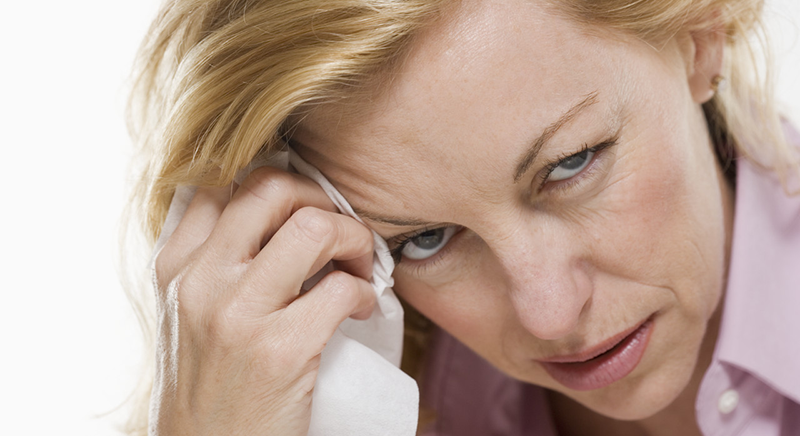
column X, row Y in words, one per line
column 195, row 289
column 364, row 236
column 342, row 290
column 271, row 184
column 186, row 294
column 278, row 351
column 167, row 264
column 228, row 327
column 313, row 224
column 219, row 327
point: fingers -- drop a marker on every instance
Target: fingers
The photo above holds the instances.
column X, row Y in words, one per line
column 264, row 201
column 194, row 228
column 301, row 247
column 236, row 267
column 274, row 233
column 335, row 298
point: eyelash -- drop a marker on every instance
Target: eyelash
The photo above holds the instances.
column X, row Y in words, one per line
column 402, row 240
column 549, row 168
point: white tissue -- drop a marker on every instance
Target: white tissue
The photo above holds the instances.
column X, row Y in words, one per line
column 359, row 390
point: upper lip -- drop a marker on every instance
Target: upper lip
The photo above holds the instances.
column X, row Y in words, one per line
column 592, row 352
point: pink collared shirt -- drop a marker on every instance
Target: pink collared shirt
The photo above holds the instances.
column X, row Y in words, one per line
column 752, row 387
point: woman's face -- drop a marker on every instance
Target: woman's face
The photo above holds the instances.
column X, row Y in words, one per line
column 574, row 189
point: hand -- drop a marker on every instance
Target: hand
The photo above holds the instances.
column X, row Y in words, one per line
column 238, row 345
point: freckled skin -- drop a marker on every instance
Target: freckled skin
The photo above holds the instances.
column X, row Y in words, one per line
column 645, row 230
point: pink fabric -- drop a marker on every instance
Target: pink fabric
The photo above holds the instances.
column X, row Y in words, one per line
column 757, row 353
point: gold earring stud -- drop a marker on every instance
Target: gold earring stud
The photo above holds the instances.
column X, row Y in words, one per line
column 719, row 83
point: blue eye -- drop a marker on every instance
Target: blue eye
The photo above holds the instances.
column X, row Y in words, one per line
column 571, row 166
column 427, row 243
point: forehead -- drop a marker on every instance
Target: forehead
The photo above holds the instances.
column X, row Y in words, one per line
column 472, row 91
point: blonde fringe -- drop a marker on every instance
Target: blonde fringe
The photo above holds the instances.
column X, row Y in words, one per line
column 220, row 79
column 216, row 80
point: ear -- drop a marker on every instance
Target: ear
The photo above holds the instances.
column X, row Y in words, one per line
column 703, row 52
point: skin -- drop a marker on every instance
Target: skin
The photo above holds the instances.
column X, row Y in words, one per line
column 544, row 269
column 238, row 350
column 538, row 267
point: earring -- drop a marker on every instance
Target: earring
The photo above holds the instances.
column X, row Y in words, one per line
column 719, row 83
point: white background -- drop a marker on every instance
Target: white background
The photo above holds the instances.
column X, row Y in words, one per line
column 70, row 345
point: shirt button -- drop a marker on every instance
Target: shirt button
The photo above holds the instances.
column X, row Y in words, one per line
column 728, row 401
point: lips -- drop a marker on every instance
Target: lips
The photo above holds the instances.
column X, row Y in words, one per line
column 603, row 364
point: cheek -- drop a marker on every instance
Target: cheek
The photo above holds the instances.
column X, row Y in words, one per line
column 663, row 225
column 469, row 302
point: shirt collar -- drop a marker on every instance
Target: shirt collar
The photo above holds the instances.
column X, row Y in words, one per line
column 761, row 318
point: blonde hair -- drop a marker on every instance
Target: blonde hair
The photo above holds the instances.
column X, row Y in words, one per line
column 216, row 81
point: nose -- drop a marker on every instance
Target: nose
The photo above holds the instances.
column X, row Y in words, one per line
column 547, row 280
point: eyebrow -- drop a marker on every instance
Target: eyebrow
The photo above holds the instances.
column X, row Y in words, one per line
column 530, row 156
column 401, row 222
column 522, row 167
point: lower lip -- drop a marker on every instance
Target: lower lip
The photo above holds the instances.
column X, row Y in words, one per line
column 605, row 369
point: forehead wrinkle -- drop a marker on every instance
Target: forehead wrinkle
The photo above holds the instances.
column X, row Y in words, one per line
column 383, row 200
column 375, row 175
column 366, row 185
column 425, row 187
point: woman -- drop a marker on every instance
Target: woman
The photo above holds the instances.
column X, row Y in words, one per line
column 556, row 179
